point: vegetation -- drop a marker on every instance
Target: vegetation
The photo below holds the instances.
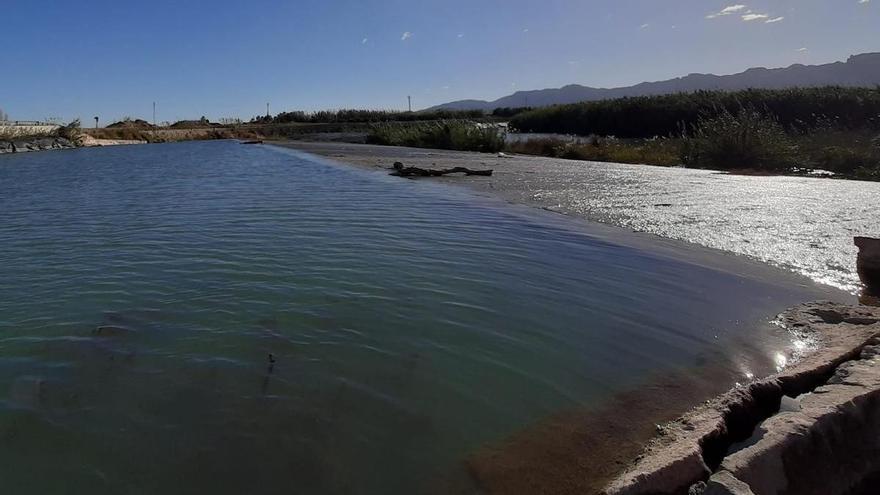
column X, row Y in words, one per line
column 445, row 134
column 796, row 110
column 170, row 135
column 747, row 139
column 365, row 116
column 72, row 132
column 832, row 129
column 656, row 151
column 507, row 112
column 853, row 154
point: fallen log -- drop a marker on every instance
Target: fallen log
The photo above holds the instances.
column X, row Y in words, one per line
column 256, row 141
column 401, row 171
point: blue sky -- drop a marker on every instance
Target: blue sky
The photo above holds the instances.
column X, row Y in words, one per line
column 224, row 58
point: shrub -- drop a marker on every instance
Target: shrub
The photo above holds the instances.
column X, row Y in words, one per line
column 845, row 160
column 450, row 134
column 748, row 139
column 365, row 116
column 71, row 131
column 665, row 115
column 660, row 151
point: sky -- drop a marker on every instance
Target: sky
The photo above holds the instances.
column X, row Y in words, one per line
column 228, row 58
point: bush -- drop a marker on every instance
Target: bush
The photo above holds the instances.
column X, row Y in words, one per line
column 71, row 131
column 748, row 139
column 644, row 117
column 844, row 160
column 365, row 116
column 449, row 135
column 664, row 152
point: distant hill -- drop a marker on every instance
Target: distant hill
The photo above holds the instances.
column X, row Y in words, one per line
column 858, row 71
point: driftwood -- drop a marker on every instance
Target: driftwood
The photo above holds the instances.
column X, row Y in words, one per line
column 401, row 171
column 256, row 141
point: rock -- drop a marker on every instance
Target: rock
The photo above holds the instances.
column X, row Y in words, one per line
column 20, row 147
column 44, row 143
column 827, row 448
column 697, row 488
column 724, row 483
column 868, row 263
column 789, row 404
column 870, row 352
column 824, row 442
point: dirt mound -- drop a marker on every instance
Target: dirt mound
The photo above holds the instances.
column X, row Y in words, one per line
column 131, row 124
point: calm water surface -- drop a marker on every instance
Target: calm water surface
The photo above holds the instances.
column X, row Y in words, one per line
column 143, row 290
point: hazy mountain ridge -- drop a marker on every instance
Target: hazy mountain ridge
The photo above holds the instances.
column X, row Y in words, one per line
column 858, row 71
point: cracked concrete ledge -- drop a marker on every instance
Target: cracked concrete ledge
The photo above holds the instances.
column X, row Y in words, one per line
column 825, row 440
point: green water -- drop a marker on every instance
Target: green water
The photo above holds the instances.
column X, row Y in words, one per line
column 408, row 323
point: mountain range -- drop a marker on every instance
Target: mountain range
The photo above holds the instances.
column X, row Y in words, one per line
column 858, row 71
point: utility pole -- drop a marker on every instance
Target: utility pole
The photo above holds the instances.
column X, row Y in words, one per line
column 267, row 111
column 409, row 102
column 154, row 114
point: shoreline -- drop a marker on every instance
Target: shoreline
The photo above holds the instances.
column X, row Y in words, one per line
column 668, row 204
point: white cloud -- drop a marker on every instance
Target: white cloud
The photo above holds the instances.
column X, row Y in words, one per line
column 754, row 17
column 730, row 9
column 461, row 35
column 644, row 26
column 803, row 49
column 774, row 20
column 864, row 1
column 364, row 41
column 526, row 30
column 405, row 36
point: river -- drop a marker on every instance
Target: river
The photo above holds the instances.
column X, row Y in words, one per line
column 216, row 318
